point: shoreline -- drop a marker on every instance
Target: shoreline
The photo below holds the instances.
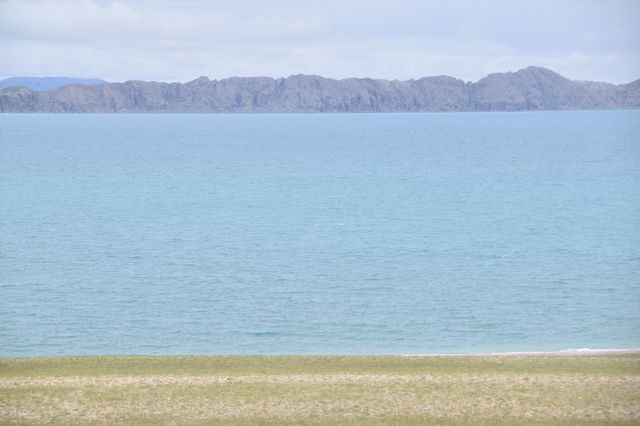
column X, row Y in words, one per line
column 559, row 353
column 563, row 352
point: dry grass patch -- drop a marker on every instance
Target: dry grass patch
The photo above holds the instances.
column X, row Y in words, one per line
column 445, row 395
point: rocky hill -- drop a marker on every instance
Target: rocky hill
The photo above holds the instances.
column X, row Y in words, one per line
column 528, row 89
column 46, row 83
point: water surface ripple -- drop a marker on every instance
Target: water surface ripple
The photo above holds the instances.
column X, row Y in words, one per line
column 319, row 234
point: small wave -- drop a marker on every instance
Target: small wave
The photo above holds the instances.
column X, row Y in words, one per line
column 608, row 350
column 581, row 351
column 263, row 333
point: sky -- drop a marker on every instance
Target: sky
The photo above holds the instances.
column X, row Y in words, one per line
column 166, row 40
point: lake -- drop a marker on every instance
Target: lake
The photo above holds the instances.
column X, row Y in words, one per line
column 319, row 234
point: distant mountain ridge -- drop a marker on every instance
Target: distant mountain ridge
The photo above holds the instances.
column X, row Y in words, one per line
column 528, row 89
column 46, row 83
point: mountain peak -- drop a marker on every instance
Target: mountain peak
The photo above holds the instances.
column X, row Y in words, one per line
column 539, row 71
column 200, row 81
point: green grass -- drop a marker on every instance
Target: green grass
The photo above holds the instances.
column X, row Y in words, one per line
column 603, row 389
column 242, row 365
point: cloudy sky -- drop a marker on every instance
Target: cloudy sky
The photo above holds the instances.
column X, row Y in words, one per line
column 181, row 40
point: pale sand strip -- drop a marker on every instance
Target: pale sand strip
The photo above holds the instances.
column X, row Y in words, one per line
column 157, row 380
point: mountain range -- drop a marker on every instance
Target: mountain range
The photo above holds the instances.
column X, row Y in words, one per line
column 528, row 89
column 46, row 83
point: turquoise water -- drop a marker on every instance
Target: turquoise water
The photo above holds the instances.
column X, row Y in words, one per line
column 319, row 234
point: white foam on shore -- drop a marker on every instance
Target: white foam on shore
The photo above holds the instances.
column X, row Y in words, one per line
column 563, row 352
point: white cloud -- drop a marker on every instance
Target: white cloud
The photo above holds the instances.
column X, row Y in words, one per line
column 178, row 41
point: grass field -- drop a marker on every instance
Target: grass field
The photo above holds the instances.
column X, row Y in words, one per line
column 603, row 389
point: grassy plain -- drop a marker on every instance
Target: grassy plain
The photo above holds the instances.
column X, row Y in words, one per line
column 602, row 389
